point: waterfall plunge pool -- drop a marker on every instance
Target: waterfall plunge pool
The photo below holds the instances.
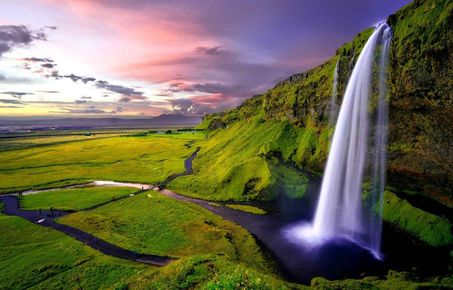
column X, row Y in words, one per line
column 337, row 258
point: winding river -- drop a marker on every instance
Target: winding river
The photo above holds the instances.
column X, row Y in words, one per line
column 335, row 260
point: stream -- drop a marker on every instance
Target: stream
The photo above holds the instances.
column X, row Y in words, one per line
column 46, row 218
column 337, row 259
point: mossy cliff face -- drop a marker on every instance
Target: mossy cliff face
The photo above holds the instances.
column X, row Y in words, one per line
column 429, row 228
column 421, row 98
column 420, row 80
column 248, row 160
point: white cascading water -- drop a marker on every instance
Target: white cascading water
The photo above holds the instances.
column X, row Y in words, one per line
column 340, row 212
column 380, row 144
column 333, row 99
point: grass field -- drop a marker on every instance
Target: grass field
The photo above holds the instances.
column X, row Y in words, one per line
column 73, row 198
column 34, row 257
column 22, row 143
column 149, row 158
column 14, row 141
column 211, row 252
column 164, row 226
column 214, row 254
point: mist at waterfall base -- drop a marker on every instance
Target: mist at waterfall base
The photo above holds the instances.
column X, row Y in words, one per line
column 343, row 213
column 335, row 230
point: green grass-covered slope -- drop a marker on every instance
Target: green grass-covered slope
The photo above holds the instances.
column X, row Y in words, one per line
column 420, row 83
column 150, row 158
column 34, row 257
column 249, row 160
column 393, row 280
column 153, row 223
column 212, row 253
column 428, row 228
column 73, row 198
column 209, row 272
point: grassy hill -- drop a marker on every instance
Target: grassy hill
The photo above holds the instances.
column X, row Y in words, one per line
column 288, row 126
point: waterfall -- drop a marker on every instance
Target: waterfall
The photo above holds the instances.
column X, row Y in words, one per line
column 380, row 143
column 340, row 212
column 333, row 99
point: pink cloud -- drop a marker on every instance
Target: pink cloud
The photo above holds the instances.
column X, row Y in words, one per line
column 211, row 99
column 202, row 55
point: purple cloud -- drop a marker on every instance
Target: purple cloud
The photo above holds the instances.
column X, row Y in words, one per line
column 12, row 36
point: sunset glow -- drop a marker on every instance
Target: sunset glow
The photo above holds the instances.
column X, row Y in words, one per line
column 152, row 57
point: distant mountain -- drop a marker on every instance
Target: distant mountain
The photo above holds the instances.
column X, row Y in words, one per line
column 35, row 123
column 176, row 119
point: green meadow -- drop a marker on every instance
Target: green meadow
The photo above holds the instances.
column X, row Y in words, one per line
column 209, row 252
column 73, row 198
column 154, row 223
column 135, row 158
column 35, row 139
column 34, row 257
column 266, row 147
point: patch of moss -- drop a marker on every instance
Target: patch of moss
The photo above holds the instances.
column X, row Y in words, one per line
column 249, row 160
column 393, row 280
column 247, row 208
column 427, row 227
column 209, row 272
column 290, row 182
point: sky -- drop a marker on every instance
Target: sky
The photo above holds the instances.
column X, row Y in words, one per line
column 65, row 58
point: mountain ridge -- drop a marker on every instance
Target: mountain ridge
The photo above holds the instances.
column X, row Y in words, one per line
column 161, row 120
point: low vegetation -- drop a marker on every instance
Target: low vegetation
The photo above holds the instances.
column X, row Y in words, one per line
column 209, row 272
column 429, row 228
column 247, row 208
column 14, row 141
column 34, row 257
column 153, row 223
column 249, row 160
column 393, row 280
column 73, row 198
column 135, row 159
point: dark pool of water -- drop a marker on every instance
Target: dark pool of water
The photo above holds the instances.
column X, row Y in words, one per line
column 337, row 259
